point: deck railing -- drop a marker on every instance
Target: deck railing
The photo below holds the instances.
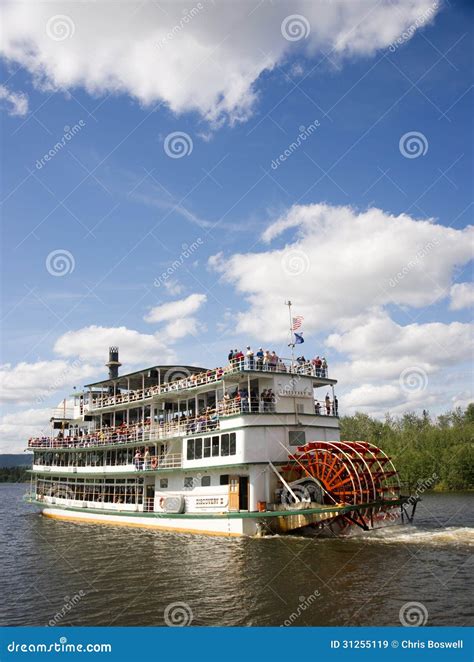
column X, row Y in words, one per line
column 207, row 422
column 308, row 368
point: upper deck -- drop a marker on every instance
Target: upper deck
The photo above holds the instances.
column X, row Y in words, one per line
column 123, row 393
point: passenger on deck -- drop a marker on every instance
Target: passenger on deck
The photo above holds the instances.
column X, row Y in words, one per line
column 324, row 368
column 250, row 358
column 266, row 360
column 327, row 401
column 273, row 360
column 335, row 406
column 239, row 359
column 317, row 408
column 259, row 356
column 138, row 459
column 146, row 459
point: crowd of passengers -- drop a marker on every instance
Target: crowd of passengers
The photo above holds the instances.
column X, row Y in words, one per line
column 206, row 420
column 238, row 360
column 266, row 360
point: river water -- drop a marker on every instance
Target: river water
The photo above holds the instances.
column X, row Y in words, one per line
column 84, row 574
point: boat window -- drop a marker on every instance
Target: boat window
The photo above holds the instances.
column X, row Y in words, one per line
column 188, row 482
column 225, row 444
column 190, row 453
column 198, row 449
column 215, row 446
column 297, row 437
column 205, row 481
column 224, row 479
column 163, row 483
column 232, row 446
column 207, row 447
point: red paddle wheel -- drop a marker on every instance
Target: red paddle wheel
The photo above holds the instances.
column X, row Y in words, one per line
column 349, row 473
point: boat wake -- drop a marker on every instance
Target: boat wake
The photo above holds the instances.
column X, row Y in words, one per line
column 417, row 535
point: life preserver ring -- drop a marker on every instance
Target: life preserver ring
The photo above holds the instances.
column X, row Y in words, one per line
column 154, row 462
column 162, row 501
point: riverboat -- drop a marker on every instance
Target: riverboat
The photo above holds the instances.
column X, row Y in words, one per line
column 247, row 449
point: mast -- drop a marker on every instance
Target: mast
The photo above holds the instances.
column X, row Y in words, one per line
column 291, row 343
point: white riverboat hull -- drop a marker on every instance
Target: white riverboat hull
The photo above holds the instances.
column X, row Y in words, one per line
column 209, row 525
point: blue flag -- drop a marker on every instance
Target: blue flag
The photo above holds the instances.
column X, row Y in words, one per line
column 299, row 338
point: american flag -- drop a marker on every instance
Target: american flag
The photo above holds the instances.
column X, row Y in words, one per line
column 297, row 322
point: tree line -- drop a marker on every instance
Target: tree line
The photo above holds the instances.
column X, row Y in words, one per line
column 438, row 450
column 14, row 475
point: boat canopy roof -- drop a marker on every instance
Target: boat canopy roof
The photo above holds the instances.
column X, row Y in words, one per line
column 148, row 376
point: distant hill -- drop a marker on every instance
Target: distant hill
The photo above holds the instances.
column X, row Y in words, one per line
column 19, row 460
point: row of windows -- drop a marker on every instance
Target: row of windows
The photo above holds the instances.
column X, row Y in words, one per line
column 203, row 481
column 116, row 457
column 108, row 491
column 219, row 445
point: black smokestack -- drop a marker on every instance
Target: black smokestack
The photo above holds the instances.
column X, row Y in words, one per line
column 114, row 364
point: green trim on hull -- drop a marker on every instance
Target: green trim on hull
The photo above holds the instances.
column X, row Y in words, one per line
column 335, row 510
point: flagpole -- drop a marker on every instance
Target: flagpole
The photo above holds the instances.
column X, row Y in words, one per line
column 292, row 345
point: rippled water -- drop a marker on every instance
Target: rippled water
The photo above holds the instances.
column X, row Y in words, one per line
column 119, row 576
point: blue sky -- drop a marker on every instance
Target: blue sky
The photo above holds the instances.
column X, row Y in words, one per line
column 125, row 211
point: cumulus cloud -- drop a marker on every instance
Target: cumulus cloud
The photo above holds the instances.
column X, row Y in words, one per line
column 91, row 343
column 400, row 366
column 30, row 382
column 16, row 428
column 16, row 103
column 205, row 58
column 340, row 264
column 176, row 310
column 462, row 296
column 344, row 270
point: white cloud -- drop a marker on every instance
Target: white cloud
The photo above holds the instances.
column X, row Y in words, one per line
column 16, row 103
column 30, row 382
column 381, row 339
column 16, row 428
column 175, row 310
column 344, row 271
column 211, row 60
column 340, row 264
column 401, row 367
column 91, row 343
column 462, row 296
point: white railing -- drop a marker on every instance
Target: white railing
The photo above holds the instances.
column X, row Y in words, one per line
column 142, row 463
column 272, row 365
column 207, row 422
